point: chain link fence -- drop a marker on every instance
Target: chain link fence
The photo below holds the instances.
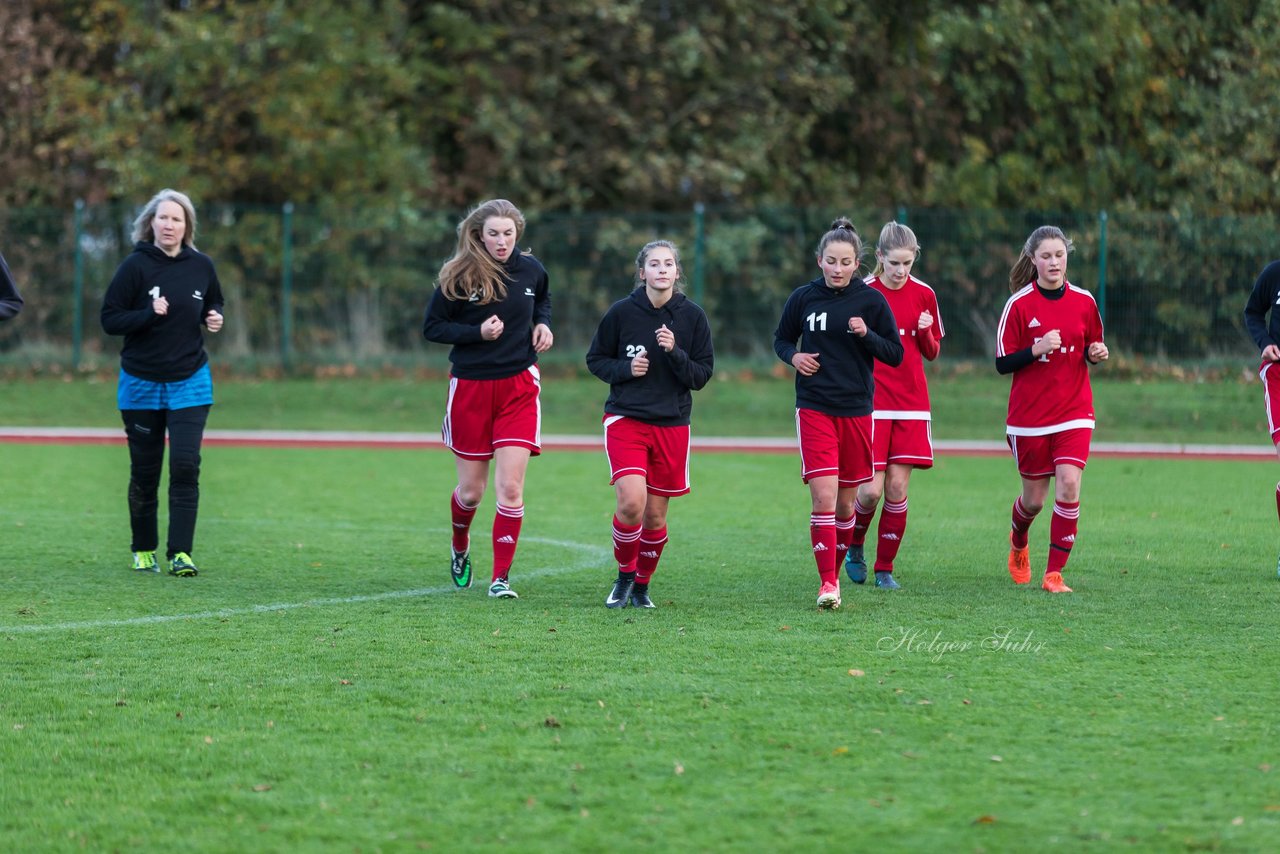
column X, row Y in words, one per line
column 307, row 287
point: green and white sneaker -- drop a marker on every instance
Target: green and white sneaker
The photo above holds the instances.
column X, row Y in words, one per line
column 145, row 562
column 460, row 567
column 500, row 589
column 182, row 566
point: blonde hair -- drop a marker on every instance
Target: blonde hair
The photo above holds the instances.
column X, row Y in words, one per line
column 893, row 236
column 1024, row 269
column 472, row 270
column 142, row 225
column 643, row 257
column 841, row 231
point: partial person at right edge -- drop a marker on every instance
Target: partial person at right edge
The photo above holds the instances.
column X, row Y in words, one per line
column 1266, row 333
column 653, row 348
column 10, row 299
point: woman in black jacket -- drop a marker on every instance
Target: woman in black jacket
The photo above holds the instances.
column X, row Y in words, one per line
column 160, row 298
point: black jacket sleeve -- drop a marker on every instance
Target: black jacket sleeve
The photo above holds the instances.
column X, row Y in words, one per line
column 602, row 360
column 10, row 299
column 693, row 366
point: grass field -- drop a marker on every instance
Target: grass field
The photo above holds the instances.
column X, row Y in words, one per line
column 319, row 687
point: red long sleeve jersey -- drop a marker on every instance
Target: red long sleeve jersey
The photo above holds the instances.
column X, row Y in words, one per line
column 1052, row 393
column 902, row 393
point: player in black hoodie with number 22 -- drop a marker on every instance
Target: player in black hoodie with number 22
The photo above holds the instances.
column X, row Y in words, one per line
column 653, row 349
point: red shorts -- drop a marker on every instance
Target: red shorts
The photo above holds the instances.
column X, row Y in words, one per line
column 1039, row 456
column 834, row 445
column 1270, row 375
column 902, row 442
column 482, row 415
column 658, row 454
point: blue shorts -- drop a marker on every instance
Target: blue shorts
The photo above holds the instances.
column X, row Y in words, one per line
column 195, row 390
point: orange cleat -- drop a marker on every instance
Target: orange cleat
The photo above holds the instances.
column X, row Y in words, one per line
column 1019, row 562
column 829, row 596
column 1053, row 583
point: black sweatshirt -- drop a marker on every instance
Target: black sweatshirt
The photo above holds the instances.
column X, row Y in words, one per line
column 630, row 326
column 10, row 299
column 457, row 322
column 1265, row 297
column 161, row 348
column 818, row 317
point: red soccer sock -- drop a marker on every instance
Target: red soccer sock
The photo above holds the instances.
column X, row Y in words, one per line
column 1021, row 523
column 1062, row 533
column 462, row 516
column 506, row 533
column 862, row 517
column 893, row 523
column 626, row 545
column 822, row 533
column 844, row 538
column 652, row 542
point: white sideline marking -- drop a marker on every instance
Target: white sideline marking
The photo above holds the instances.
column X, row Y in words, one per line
column 592, row 555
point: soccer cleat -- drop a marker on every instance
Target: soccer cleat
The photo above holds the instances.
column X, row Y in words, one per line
column 621, row 592
column 855, row 564
column 460, row 568
column 884, row 580
column 500, row 589
column 1019, row 562
column 640, row 596
column 145, row 562
column 182, row 566
column 829, row 595
column 1053, row 583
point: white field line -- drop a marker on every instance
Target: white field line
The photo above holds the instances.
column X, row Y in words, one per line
column 591, row 555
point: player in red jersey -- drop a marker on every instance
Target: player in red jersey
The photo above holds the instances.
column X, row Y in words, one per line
column 902, row 439
column 1049, row 333
column 840, row 326
column 493, row 306
column 1266, row 334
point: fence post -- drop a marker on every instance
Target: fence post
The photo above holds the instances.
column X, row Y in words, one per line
column 1102, row 266
column 902, row 214
column 77, row 327
column 286, row 285
column 699, row 250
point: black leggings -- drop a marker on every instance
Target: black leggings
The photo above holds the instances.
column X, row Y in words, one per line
column 146, row 430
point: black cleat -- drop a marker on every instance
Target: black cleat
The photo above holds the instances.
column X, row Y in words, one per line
column 640, row 596
column 621, row 592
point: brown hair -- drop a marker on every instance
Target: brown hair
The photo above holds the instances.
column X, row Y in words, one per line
column 1024, row 269
column 841, row 231
column 644, row 257
column 893, row 236
column 472, row 270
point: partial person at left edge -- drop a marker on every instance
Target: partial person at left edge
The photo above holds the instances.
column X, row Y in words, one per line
column 161, row 297
column 1265, row 332
column 10, row 299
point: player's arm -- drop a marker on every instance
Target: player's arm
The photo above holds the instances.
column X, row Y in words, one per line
column 119, row 317
column 10, row 299
column 693, row 367
column 439, row 326
column 1260, row 301
column 602, row 356
column 929, row 333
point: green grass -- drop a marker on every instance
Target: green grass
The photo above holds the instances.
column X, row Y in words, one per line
column 968, row 403
column 318, row 687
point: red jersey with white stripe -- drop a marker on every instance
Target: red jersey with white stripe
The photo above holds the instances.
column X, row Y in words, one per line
column 902, row 392
column 1052, row 393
